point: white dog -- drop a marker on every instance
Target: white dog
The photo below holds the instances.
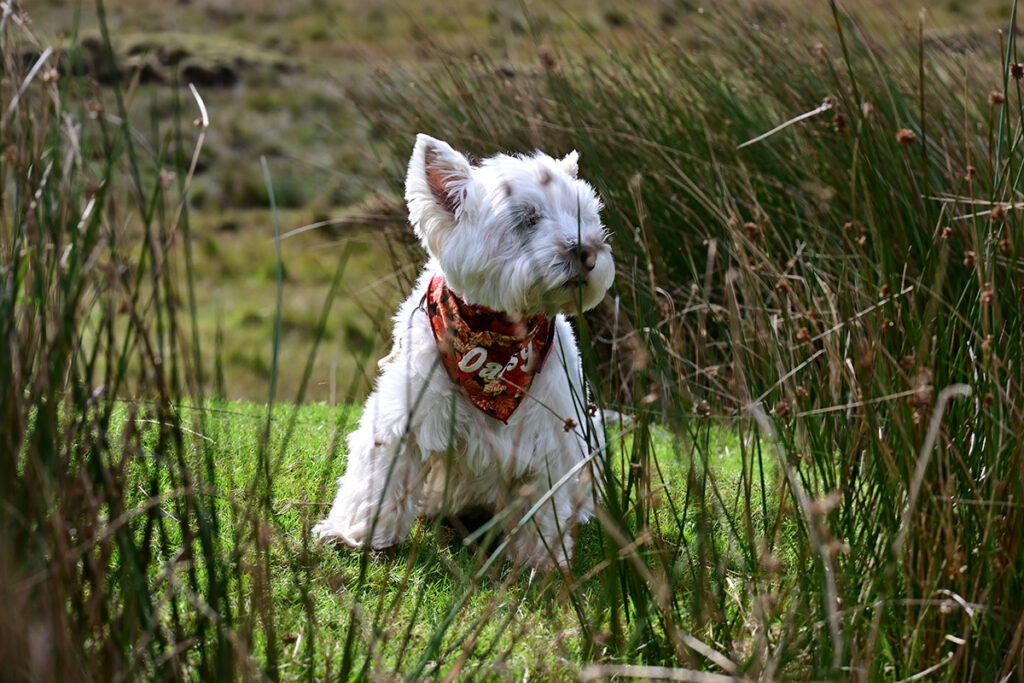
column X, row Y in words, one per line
column 481, row 402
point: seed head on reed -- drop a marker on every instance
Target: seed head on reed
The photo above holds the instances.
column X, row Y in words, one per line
column 826, row 504
column 906, row 137
column 782, row 410
column 770, row 563
column 922, row 395
column 987, row 295
column 547, row 60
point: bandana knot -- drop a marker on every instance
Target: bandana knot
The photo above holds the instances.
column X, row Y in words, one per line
column 491, row 357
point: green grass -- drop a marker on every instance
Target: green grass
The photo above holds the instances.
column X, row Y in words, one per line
column 512, row 623
column 815, row 340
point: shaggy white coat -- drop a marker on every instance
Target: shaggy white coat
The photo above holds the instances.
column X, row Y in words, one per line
column 520, row 235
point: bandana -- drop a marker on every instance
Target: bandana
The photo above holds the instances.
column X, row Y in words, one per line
column 489, row 356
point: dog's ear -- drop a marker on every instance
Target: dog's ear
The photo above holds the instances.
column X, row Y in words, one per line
column 435, row 188
column 570, row 163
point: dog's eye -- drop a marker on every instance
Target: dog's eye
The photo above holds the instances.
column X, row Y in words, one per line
column 527, row 218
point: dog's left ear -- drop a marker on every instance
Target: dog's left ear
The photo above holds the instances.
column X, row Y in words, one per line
column 570, row 163
column 435, row 188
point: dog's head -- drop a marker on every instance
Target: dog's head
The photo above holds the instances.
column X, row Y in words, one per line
column 517, row 234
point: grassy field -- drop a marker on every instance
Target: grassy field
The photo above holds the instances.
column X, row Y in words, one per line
column 503, row 621
column 815, row 339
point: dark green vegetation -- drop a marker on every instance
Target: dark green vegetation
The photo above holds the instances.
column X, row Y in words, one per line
column 816, row 338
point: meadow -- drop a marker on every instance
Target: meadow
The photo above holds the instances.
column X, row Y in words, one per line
column 814, row 339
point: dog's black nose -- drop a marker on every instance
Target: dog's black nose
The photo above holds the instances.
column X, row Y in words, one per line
column 587, row 256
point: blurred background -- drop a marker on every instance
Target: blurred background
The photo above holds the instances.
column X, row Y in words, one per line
column 312, row 86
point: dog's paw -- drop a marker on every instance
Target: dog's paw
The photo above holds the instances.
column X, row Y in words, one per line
column 335, row 532
column 530, row 550
column 338, row 531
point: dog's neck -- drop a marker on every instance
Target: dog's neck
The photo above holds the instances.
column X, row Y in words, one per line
column 483, row 319
column 492, row 357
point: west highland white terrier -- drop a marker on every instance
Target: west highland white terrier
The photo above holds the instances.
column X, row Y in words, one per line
column 481, row 402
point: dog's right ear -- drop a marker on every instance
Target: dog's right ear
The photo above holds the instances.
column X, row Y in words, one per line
column 435, row 188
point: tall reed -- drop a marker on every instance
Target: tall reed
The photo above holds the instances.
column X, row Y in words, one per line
column 112, row 545
column 842, row 293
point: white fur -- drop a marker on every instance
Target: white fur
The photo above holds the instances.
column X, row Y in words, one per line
column 421, row 448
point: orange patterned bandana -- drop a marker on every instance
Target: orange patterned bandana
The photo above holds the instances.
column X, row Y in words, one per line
column 490, row 357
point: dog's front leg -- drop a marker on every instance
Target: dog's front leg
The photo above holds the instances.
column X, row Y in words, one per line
column 379, row 495
column 546, row 539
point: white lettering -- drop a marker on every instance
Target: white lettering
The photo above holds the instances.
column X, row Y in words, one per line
column 491, row 371
column 473, row 360
column 528, row 358
column 513, row 362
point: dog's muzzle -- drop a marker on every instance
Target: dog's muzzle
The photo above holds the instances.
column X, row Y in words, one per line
column 582, row 258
